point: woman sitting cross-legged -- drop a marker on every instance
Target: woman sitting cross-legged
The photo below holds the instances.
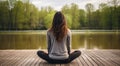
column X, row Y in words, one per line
column 59, row 42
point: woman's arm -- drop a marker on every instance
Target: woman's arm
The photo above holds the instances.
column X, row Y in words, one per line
column 48, row 42
column 69, row 43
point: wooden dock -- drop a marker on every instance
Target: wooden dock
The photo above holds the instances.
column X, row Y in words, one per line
column 88, row 58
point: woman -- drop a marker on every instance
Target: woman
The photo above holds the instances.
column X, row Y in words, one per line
column 59, row 42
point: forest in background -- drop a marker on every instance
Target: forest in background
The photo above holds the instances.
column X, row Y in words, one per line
column 25, row 16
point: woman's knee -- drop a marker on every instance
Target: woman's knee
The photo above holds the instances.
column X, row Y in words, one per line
column 78, row 52
column 39, row 53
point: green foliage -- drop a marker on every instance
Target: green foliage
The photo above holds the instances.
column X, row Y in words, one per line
column 73, row 13
column 82, row 18
column 68, row 20
column 25, row 15
column 45, row 17
column 89, row 9
column 4, row 15
column 49, row 19
column 75, row 16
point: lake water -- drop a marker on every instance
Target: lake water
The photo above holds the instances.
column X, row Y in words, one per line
column 80, row 40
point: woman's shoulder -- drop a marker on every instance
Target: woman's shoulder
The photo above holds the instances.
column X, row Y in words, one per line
column 69, row 31
column 48, row 31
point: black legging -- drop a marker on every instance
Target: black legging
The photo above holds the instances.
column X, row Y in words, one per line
column 72, row 56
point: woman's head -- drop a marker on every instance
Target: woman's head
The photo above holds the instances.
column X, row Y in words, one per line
column 59, row 26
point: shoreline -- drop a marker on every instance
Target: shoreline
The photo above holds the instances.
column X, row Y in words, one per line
column 73, row 32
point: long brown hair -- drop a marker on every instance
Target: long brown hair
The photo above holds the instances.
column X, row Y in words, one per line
column 59, row 26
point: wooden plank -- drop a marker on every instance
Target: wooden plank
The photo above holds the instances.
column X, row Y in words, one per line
column 7, row 57
column 87, row 58
column 83, row 61
column 26, row 59
column 94, row 58
column 101, row 59
column 17, row 56
column 12, row 61
column 36, row 60
column 104, row 59
column 111, row 57
column 30, row 59
column 74, row 63
column 57, row 64
column 65, row 64
column 22, row 57
column 79, row 62
column 116, row 56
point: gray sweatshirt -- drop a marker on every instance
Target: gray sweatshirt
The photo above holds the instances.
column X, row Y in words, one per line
column 59, row 50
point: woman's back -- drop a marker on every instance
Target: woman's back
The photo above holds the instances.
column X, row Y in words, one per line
column 59, row 50
column 59, row 42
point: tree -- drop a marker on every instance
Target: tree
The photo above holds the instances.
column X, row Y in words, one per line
column 89, row 9
column 42, row 14
column 68, row 20
column 4, row 15
column 67, row 12
column 96, row 19
column 66, row 9
column 114, row 3
column 82, row 18
column 20, row 15
column 34, row 17
column 115, row 18
column 49, row 17
column 27, row 12
column 75, row 16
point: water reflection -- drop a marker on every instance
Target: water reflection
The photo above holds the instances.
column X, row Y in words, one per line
column 80, row 40
column 96, row 40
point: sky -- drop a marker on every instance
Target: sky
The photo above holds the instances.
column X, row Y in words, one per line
column 58, row 4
